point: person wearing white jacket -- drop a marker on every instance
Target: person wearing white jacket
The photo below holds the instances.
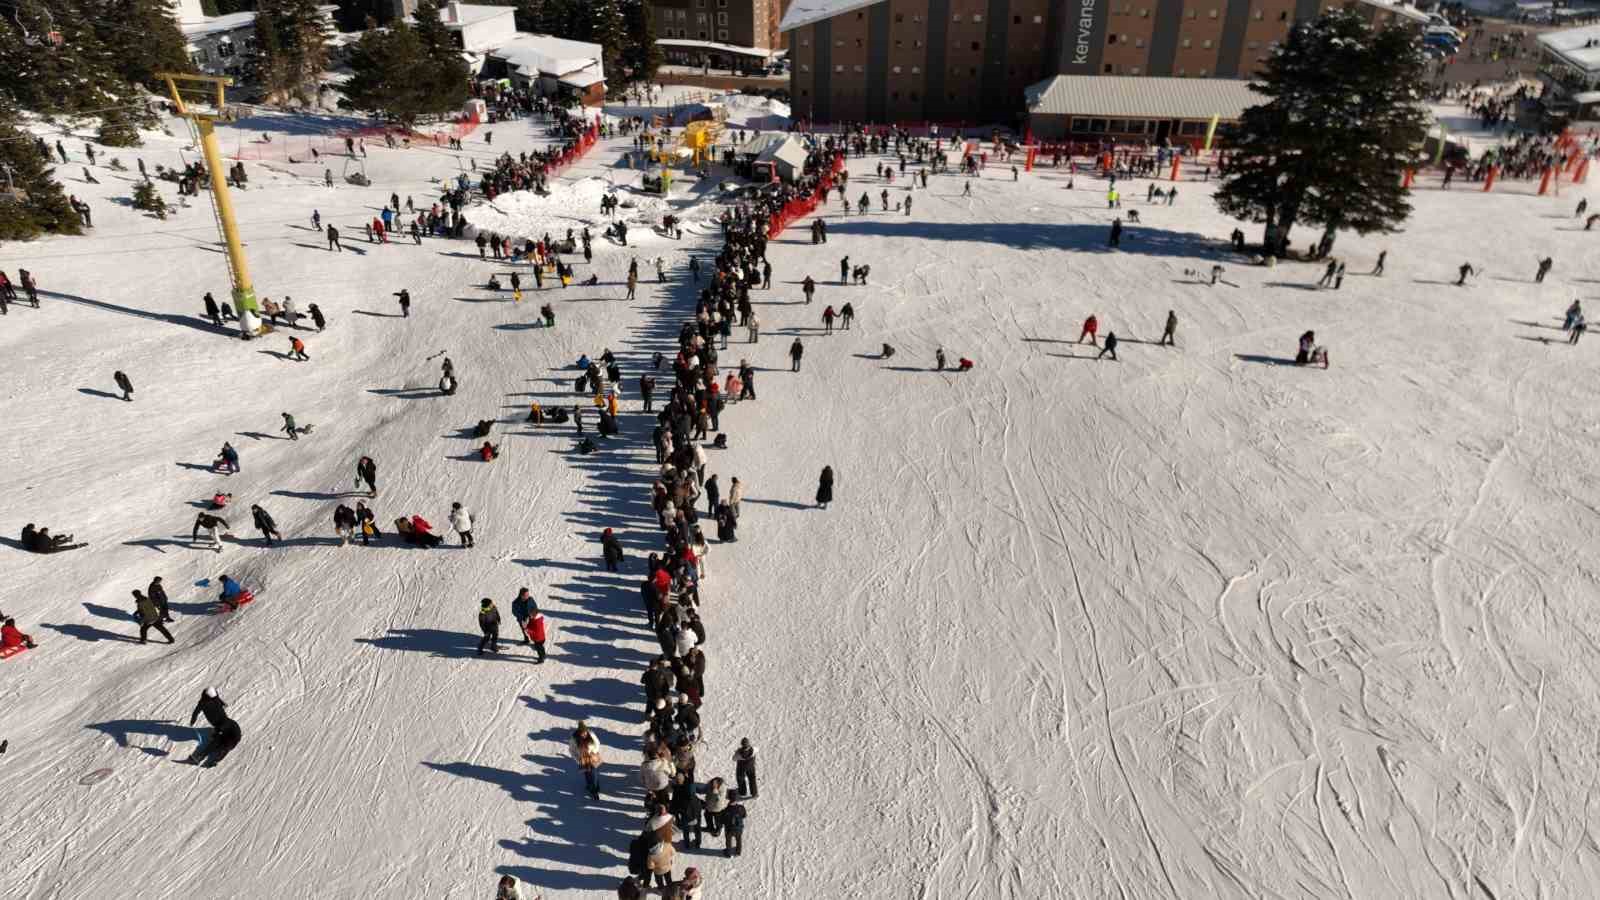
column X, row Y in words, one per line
column 461, row 521
column 735, row 494
column 655, row 775
column 716, row 801
column 699, row 463
column 512, row 889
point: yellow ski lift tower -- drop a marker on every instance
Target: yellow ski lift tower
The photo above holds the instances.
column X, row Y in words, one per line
column 204, row 109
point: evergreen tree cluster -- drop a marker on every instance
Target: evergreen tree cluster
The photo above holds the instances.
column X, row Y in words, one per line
column 1342, row 121
column 44, row 207
column 291, row 50
column 408, row 71
column 84, row 56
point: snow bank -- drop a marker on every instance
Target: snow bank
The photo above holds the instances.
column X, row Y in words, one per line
column 525, row 214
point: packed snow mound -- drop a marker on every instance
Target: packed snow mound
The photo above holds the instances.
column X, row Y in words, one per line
column 528, row 215
column 753, row 111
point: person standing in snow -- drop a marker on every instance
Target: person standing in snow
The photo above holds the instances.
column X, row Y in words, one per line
column 1465, row 270
column 585, row 747
column 213, row 311
column 611, row 549
column 461, row 521
column 827, row 320
column 289, row 428
column 1169, row 334
column 367, row 470
column 333, row 239
column 847, row 314
column 209, row 524
column 809, row 287
column 796, row 351
column 489, row 623
column 124, row 384
column 825, row 487
column 1377, row 270
column 158, row 595
column 264, row 524
column 1110, row 347
column 1091, row 327
column 744, row 768
column 225, row 734
column 536, row 630
column 317, row 317
column 297, row 349
column 149, row 616
column 733, row 821
column 344, row 523
column 405, row 302
column 1579, row 326
column 1544, row 269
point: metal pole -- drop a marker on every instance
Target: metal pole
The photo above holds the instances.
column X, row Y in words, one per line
column 244, row 294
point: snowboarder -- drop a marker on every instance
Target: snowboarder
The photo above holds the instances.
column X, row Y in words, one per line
column 461, row 521
column 149, row 616
column 123, row 384
column 367, row 470
column 209, row 524
column 585, row 747
column 225, row 734
column 796, row 351
column 489, row 622
column 1169, row 334
column 825, row 487
column 1110, row 347
column 264, row 524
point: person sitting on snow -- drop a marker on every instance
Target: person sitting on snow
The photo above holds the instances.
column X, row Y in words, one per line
column 12, row 637
column 488, row 452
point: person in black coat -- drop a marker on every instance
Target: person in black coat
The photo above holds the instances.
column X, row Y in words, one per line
column 264, row 523
column 225, row 733
column 687, row 808
column 825, row 487
column 124, row 384
column 158, row 595
column 213, row 312
column 612, row 549
column 733, row 829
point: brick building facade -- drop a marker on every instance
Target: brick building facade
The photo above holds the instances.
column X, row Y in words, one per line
column 969, row 60
column 744, row 23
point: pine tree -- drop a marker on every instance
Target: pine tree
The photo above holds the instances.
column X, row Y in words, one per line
column 141, row 38
column 45, row 207
column 291, row 49
column 530, row 15
column 445, row 74
column 384, row 67
column 644, row 55
column 1342, row 122
column 610, row 31
column 265, row 65
column 44, row 76
column 117, row 129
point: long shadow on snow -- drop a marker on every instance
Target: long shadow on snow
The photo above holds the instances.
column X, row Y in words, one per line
column 120, row 730
column 1086, row 238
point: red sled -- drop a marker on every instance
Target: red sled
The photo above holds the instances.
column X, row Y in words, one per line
column 9, row 652
column 245, row 599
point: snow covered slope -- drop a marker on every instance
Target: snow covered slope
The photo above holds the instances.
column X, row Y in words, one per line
column 1194, row 623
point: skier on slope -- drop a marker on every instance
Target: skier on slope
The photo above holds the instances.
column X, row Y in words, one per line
column 225, row 734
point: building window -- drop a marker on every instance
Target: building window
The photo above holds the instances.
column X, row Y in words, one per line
column 955, row 70
column 957, row 17
column 722, row 18
column 700, row 18
column 1108, row 68
column 1111, row 39
column 860, row 16
column 916, row 70
column 804, row 92
column 838, row 42
column 1134, row 71
column 1252, row 45
column 916, row 43
column 973, row 71
column 1016, row 20
column 805, row 67
column 1182, row 72
column 859, row 43
column 1256, row 15
column 838, row 68
column 1186, row 43
column 913, row 95
column 976, row 46
column 805, row 42
column 1202, row 73
column 1213, row 14
column 898, row 44
column 858, row 69
column 722, row 4
column 1191, row 13
column 703, row 34
column 699, row 4
column 899, row 17
column 916, row 17
column 977, row 17
column 894, row 95
column 896, row 70
column 1038, row 20
column 1283, row 16
column 1138, row 42
column 722, row 34
column 1206, row 44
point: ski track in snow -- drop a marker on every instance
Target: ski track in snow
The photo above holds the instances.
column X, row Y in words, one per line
column 1185, row 625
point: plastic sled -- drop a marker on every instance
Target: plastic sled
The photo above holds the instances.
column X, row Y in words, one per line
column 245, row 599
column 9, row 652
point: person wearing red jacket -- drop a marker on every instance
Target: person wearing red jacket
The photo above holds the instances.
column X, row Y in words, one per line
column 1091, row 327
column 12, row 637
column 424, row 532
column 536, row 632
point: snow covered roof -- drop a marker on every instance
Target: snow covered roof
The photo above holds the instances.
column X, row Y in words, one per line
column 805, row 12
column 790, row 151
column 713, row 45
column 1577, row 47
column 580, row 79
column 463, row 15
column 1402, row 10
column 546, row 55
column 1586, row 98
column 216, row 24
column 1136, row 96
column 761, row 143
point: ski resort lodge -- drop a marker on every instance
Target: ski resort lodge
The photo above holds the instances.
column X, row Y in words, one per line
column 972, row 61
column 1124, row 107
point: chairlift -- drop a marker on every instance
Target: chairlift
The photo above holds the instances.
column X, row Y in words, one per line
column 12, row 193
column 358, row 177
column 52, row 36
